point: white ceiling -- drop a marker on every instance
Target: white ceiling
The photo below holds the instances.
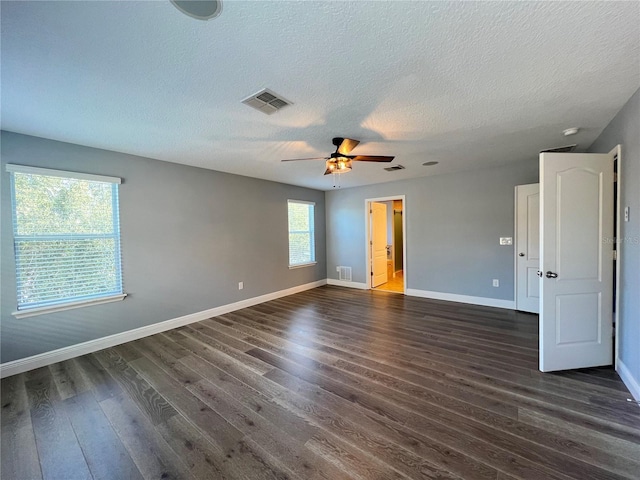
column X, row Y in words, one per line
column 467, row 84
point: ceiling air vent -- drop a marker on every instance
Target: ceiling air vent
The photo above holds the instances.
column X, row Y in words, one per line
column 565, row 149
column 267, row 101
column 393, row 168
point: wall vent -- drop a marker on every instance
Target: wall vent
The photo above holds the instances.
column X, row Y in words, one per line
column 345, row 274
column 267, row 101
column 393, row 168
column 565, row 149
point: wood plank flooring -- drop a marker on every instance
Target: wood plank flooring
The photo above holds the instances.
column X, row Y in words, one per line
column 331, row 383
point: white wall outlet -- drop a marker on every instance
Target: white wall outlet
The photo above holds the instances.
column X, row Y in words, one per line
column 506, row 240
column 338, row 269
column 240, row 285
column 626, row 214
column 496, row 282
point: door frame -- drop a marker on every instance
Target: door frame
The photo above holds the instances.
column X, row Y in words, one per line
column 367, row 249
column 617, row 153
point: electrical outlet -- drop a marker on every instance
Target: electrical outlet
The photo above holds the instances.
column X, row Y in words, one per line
column 240, row 285
column 626, row 214
column 496, row 282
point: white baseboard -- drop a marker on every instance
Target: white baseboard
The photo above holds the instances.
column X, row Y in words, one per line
column 342, row 283
column 43, row 359
column 632, row 384
column 454, row 297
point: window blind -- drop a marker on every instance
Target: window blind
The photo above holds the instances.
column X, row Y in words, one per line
column 302, row 248
column 66, row 229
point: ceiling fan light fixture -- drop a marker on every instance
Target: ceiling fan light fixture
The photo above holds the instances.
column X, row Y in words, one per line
column 338, row 165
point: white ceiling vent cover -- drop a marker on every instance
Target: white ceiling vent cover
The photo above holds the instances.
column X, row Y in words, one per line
column 345, row 274
column 267, row 101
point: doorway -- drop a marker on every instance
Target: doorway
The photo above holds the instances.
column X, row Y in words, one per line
column 386, row 243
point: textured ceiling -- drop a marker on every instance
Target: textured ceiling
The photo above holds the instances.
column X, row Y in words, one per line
column 467, row 84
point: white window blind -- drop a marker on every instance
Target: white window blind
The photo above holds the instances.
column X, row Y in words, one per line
column 302, row 245
column 66, row 231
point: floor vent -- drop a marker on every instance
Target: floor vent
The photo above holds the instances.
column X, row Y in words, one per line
column 565, row 149
column 393, row 168
column 345, row 274
column 267, row 101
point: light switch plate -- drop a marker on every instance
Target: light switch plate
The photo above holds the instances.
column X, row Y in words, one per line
column 506, row 240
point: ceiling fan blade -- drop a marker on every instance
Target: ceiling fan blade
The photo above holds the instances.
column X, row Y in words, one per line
column 328, row 172
column 347, row 145
column 299, row 159
column 371, row 158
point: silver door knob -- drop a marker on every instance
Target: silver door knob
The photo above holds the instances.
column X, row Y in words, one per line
column 550, row 274
column 521, row 254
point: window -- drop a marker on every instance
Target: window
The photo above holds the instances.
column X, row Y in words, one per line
column 302, row 243
column 66, row 231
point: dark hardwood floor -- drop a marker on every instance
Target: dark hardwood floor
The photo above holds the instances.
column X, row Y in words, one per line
column 330, row 383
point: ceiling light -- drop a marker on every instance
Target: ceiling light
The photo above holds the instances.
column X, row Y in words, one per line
column 199, row 9
column 430, row 164
column 570, row 131
column 338, row 165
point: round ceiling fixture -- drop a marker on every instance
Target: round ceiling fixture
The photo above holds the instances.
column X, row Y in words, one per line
column 199, row 9
column 430, row 164
column 570, row 131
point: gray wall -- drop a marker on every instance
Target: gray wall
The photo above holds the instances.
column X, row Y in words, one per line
column 624, row 129
column 188, row 237
column 454, row 223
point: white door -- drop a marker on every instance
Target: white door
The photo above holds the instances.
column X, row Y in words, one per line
column 576, row 283
column 378, row 244
column 527, row 247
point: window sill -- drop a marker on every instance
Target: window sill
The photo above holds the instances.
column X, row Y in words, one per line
column 302, row 265
column 67, row 306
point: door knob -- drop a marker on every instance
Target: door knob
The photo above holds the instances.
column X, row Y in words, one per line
column 521, row 254
column 550, row 274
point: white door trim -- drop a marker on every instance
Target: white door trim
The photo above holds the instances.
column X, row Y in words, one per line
column 617, row 152
column 367, row 250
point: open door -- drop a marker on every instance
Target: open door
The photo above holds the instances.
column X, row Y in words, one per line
column 576, row 260
column 378, row 244
column 528, row 247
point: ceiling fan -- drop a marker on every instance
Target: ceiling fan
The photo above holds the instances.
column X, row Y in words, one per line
column 340, row 160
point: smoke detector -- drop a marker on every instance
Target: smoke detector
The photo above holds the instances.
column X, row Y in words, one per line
column 570, row 131
column 267, row 101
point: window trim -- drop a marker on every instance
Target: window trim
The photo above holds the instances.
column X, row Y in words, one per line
column 32, row 312
column 68, row 305
column 13, row 168
column 305, row 264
